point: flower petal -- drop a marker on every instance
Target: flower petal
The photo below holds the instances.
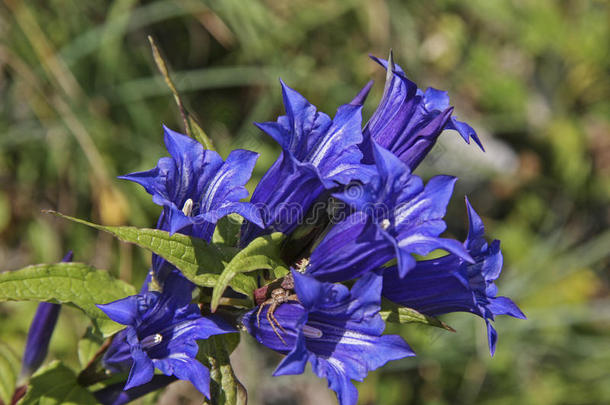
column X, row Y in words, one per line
column 290, row 315
column 186, row 152
column 186, row 368
column 353, row 247
column 142, row 370
column 295, row 361
column 408, row 121
column 283, row 196
column 337, row 330
column 123, row 311
column 505, row 306
column 450, row 283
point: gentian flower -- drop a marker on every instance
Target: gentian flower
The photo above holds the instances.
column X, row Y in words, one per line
column 39, row 334
column 450, row 284
column 396, row 217
column 162, row 329
column 317, row 154
column 196, row 188
column 408, row 120
column 337, row 330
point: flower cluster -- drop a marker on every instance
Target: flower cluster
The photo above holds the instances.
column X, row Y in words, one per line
column 196, row 188
column 389, row 216
column 387, row 219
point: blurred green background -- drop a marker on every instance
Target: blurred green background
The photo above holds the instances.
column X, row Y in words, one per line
column 81, row 102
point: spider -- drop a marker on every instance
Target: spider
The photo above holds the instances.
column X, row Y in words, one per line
column 279, row 296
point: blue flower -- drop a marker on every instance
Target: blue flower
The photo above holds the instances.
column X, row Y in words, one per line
column 317, row 154
column 117, row 358
column 408, row 121
column 450, row 284
column 162, row 329
column 39, row 334
column 196, row 188
column 396, row 217
column 337, row 330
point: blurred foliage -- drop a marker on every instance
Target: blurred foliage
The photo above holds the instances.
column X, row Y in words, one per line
column 81, row 102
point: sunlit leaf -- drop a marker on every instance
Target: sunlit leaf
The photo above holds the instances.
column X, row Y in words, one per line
column 227, row 230
column 199, row 261
column 262, row 253
column 396, row 314
column 76, row 284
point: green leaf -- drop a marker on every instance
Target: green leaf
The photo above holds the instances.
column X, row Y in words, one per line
column 193, row 129
column 199, row 261
column 227, row 230
column 56, row 384
column 75, row 284
column 88, row 346
column 280, row 272
column 225, row 388
column 9, row 370
column 394, row 313
column 263, row 253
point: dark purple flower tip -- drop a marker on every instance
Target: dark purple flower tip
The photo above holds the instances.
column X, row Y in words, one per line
column 40, row 332
column 451, row 284
column 162, row 330
column 339, row 331
column 196, row 187
column 68, row 257
column 362, row 94
column 408, row 121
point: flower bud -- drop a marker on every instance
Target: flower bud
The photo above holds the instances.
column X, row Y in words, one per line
column 39, row 335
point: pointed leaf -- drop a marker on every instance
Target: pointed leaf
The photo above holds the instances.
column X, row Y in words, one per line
column 197, row 132
column 227, row 230
column 225, row 388
column 198, row 261
column 391, row 312
column 76, row 284
column 56, row 384
column 262, row 253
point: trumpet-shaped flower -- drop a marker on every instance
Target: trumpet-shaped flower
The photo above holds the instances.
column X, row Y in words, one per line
column 318, row 153
column 450, row 284
column 196, row 188
column 162, row 330
column 408, row 120
column 396, row 217
column 337, row 330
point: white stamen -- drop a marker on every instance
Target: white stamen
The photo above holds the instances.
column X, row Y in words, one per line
column 385, row 224
column 152, row 340
column 302, row 264
column 312, row 332
column 188, row 207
